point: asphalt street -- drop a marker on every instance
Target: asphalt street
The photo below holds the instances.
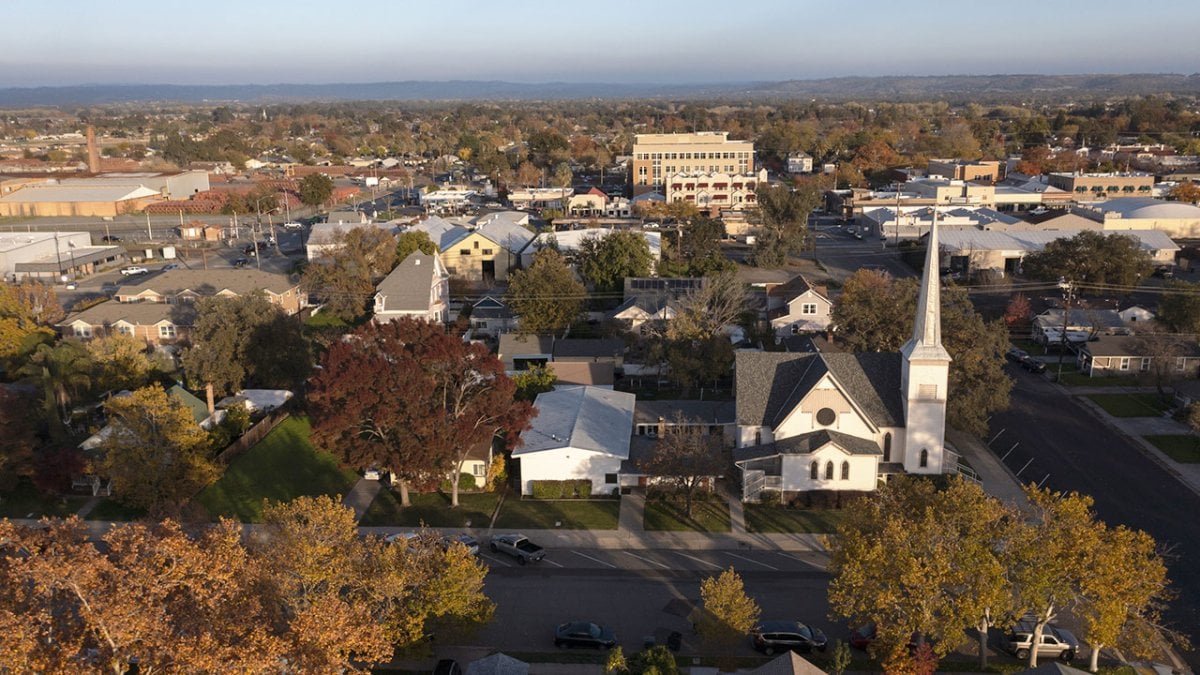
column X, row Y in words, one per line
column 1047, row 438
column 842, row 254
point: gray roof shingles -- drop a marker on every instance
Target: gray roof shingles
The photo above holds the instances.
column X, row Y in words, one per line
column 769, row 385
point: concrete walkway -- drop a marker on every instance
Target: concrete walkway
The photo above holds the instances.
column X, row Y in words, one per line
column 361, row 495
column 631, row 520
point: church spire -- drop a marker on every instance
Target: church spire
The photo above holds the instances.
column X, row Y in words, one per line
column 926, row 340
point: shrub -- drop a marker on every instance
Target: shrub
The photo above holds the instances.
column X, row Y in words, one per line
column 561, row 489
column 850, row 498
column 822, row 499
column 769, row 498
column 466, row 482
column 497, row 473
column 656, row 659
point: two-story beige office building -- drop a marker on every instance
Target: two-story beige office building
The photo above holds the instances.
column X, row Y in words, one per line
column 657, row 157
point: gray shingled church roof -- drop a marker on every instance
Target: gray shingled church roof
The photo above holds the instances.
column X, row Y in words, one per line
column 769, row 385
column 805, row 444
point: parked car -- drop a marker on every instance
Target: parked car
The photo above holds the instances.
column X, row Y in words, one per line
column 133, row 271
column 518, row 546
column 779, row 636
column 1016, row 355
column 863, row 636
column 293, row 226
column 241, row 262
column 583, row 634
column 1033, row 365
column 110, row 238
column 1057, row 643
column 463, row 538
column 168, row 268
column 71, row 285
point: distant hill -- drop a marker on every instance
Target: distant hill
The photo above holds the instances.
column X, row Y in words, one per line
column 951, row 87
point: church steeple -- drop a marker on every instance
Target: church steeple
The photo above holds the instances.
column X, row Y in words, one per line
column 926, row 340
column 925, row 374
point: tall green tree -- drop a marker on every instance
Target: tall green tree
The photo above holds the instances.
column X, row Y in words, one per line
column 685, row 458
column 413, row 241
column 547, row 297
column 62, row 371
column 533, row 381
column 783, row 222
column 119, row 362
column 694, row 249
column 1091, row 257
column 915, row 559
column 605, row 261
column 243, row 339
column 315, row 189
column 344, row 277
column 875, row 313
column 156, row 454
column 1179, row 307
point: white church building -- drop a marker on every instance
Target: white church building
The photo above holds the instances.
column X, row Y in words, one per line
column 839, row 421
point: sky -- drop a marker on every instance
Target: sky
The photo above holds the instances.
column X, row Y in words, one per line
column 70, row 42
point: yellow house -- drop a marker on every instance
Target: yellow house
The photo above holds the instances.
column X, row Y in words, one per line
column 486, row 251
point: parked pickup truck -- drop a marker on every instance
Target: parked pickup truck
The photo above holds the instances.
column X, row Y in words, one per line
column 517, row 546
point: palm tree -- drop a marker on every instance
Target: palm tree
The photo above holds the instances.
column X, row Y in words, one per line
column 61, row 370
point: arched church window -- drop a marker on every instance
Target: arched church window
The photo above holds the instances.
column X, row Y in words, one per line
column 887, row 447
column 814, row 470
column 924, row 458
column 845, row 470
column 828, row 470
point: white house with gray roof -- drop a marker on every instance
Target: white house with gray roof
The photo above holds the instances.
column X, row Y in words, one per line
column 830, row 421
column 418, row 287
column 579, row 433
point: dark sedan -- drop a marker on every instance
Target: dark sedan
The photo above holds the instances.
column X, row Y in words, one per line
column 771, row 637
column 583, row 634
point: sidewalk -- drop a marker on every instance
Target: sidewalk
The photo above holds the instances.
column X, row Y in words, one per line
column 997, row 479
column 361, row 495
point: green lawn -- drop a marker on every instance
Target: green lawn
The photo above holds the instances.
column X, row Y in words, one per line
column 25, row 501
column 115, row 511
column 283, row 466
column 1179, row 447
column 1130, row 405
column 668, row 514
column 763, row 518
column 565, row 514
column 432, row 509
column 1076, row 379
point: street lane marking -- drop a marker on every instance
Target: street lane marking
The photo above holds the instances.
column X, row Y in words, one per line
column 584, row 555
column 552, row 562
column 652, row 562
column 502, row 562
column 806, row 562
column 770, row 567
column 703, row 562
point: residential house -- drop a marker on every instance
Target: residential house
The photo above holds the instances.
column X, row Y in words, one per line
column 789, row 663
column 798, row 307
column 325, row 238
column 183, row 286
column 582, row 373
column 829, row 421
column 652, row 419
column 1135, row 354
column 1135, row 314
column 799, row 162
column 497, row 664
column 617, row 207
column 570, row 241
column 491, row 316
column 520, row 352
column 653, row 299
column 487, row 250
column 590, row 203
column 155, row 323
column 418, row 287
column 578, row 433
column 1081, row 324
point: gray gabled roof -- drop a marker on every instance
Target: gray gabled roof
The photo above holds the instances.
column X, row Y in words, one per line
column 501, row 229
column 588, row 348
column 789, row 663
column 406, row 288
column 134, row 313
column 497, row 664
column 588, row 418
column 769, row 385
column 441, row 231
column 211, row 282
column 806, row 444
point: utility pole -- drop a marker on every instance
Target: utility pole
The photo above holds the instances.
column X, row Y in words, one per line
column 1068, row 288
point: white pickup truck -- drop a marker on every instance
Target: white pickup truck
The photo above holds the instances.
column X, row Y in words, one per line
column 518, row 546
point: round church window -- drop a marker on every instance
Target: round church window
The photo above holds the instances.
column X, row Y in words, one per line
column 826, row 416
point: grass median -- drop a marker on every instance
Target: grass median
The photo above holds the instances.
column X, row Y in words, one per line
column 432, row 509
column 1130, row 405
column 776, row 519
column 1184, row 448
column 558, row 514
column 667, row 513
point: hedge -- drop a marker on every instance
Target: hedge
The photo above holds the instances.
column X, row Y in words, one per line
column 466, row 483
column 561, row 489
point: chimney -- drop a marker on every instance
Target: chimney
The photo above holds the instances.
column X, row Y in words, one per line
column 92, row 150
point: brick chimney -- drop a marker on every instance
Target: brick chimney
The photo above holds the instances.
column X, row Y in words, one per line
column 93, row 151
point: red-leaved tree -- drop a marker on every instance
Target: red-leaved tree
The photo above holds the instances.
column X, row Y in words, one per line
column 408, row 397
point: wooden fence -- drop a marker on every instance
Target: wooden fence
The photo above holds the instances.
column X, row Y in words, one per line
column 252, row 436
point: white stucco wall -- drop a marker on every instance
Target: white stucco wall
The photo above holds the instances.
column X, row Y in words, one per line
column 797, row 471
column 568, row 464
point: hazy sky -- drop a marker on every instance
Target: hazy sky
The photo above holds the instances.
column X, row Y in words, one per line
column 56, row 42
